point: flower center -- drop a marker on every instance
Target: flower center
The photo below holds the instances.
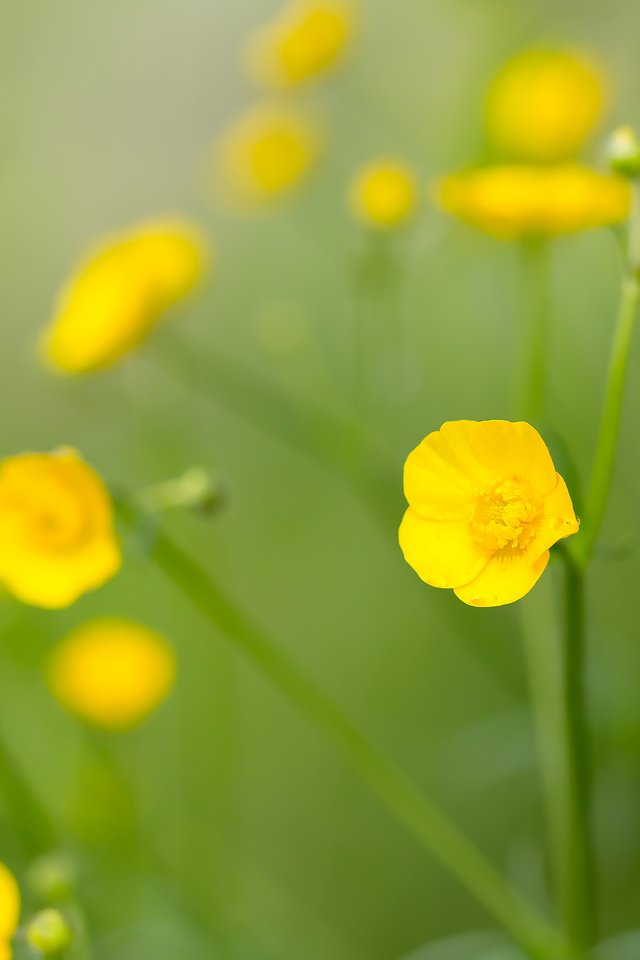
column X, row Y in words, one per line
column 505, row 516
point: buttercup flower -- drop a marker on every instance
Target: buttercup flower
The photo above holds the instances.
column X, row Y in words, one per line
column 485, row 506
column 544, row 104
column 519, row 201
column 264, row 155
column 9, row 911
column 303, row 40
column 57, row 536
column 112, row 672
column 383, row 194
column 119, row 292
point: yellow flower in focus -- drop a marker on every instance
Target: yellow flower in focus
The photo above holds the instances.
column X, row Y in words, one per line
column 112, row 672
column 304, row 39
column 9, row 910
column 383, row 194
column 118, row 293
column 544, row 104
column 57, row 537
column 485, row 506
column 264, row 155
column 524, row 201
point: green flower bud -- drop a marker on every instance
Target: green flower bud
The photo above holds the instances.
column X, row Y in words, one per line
column 49, row 932
column 51, row 878
column 623, row 151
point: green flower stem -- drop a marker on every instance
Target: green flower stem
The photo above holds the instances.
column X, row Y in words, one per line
column 598, row 490
column 533, row 376
column 435, row 831
column 579, row 895
column 32, row 822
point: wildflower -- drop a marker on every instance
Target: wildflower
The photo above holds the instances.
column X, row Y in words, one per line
column 112, row 672
column 9, row 910
column 520, row 201
column 544, row 104
column 264, row 155
column 383, row 194
column 305, row 39
column 485, row 506
column 57, row 536
column 117, row 295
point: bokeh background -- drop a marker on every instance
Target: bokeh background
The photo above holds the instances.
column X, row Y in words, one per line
column 225, row 826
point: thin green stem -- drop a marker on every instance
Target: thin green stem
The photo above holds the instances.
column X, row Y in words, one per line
column 598, row 490
column 579, row 898
column 419, row 815
column 532, row 385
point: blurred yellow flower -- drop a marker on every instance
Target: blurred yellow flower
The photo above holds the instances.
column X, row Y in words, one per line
column 264, row 155
column 485, row 505
column 57, row 536
column 118, row 293
column 9, row 910
column 520, row 201
column 383, row 194
column 303, row 40
column 112, row 672
column 544, row 104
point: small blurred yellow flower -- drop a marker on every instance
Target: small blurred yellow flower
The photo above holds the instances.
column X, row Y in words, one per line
column 520, row 201
column 303, row 40
column 383, row 194
column 544, row 104
column 57, row 536
column 485, row 506
column 118, row 293
column 9, row 910
column 264, row 155
column 112, row 672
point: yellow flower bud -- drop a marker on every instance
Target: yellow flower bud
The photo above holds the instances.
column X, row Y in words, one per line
column 544, row 104
column 264, row 155
column 112, row 672
column 119, row 292
column 305, row 39
column 383, row 194
column 9, row 910
column 56, row 528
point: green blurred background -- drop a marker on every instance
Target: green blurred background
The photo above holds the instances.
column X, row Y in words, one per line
column 225, row 826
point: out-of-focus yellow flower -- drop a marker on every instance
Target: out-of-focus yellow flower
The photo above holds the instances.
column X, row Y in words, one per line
column 264, row 155
column 383, row 194
column 485, row 505
column 544, row 104
column 118, row 293
column 303, row 40
column 520, row 201
column 112, row 672
column 57, row 536
column 9, row 910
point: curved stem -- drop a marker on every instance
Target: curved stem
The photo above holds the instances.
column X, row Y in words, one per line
column 419, row 815
column 598, row 490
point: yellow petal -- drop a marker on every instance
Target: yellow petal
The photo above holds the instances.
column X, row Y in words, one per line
column 441, row 474
column 559, row 519
column 506, row 578
column 9, row 907
column 442, row 552
column 512, row 451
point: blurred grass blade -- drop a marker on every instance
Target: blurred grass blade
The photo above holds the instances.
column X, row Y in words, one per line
column 32, row 822
column 434, row 830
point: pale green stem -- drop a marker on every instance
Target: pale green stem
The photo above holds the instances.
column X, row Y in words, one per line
column 533, row 376
column 435, row 831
